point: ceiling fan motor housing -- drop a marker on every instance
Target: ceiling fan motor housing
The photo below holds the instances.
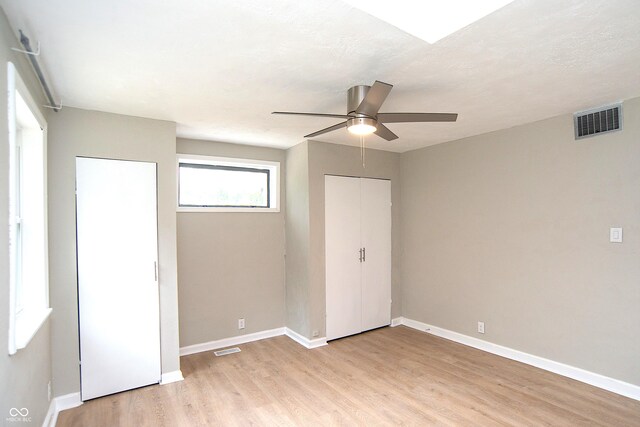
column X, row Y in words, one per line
column 355, row 95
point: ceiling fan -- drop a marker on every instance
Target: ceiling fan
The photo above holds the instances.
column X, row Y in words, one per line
column 362, row 118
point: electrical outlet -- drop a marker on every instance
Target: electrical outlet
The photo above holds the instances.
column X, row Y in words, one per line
column 49, row 391
column 615, row 235
column 481, row 327
column 315, row 333
column 240, row 323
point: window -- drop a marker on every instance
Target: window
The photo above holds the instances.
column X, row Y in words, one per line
column 28, row 270
column 218, row 184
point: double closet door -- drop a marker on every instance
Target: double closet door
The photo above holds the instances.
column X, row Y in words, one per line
column 357, row 254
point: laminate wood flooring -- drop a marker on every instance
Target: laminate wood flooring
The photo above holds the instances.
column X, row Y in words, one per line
column 390, row 376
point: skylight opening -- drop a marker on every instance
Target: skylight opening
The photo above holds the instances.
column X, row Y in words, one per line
column 429, row 20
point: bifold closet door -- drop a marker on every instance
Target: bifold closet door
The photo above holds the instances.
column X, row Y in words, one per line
column 342, row 245
column 357, row 254
column 118, row 301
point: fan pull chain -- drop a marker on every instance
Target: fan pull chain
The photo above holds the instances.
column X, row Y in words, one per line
column 362, row 151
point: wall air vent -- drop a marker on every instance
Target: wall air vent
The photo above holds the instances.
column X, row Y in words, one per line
column 597, row 121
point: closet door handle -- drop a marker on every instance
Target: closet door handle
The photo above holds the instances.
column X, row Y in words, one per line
column 360, row 250
column 364, row 254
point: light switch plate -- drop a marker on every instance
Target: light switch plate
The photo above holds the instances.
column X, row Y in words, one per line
column 615, row 235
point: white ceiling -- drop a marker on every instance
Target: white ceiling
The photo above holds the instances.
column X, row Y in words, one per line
column 218, row 68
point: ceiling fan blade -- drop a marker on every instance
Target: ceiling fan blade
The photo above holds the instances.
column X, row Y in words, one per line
column 416, row 117
column 383, row 132
column 374, row 98
column 325, row 130
column 337, row 116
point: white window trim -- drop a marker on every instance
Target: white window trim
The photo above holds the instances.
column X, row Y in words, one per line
column 22, row 332
column 228, row 161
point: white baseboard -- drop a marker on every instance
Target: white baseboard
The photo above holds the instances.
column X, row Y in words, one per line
column 171, row 377
column 314, row 343
column 242, row 339
column 68, row 401
column 51, row 417
column 396, row 321
column 597, row 380
column 227, row 342
column 58, row 404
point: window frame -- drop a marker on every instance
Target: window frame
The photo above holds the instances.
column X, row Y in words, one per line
column 236, row 164
column 24, row 321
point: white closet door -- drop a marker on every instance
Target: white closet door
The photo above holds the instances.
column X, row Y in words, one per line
column 118, row 302
column 342, row 257
column 376, row 241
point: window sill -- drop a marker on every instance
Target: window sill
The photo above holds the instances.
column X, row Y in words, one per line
column 28, row 324
column 263, row 210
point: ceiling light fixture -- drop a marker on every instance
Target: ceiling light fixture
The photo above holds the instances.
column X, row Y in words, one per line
column 361, row 125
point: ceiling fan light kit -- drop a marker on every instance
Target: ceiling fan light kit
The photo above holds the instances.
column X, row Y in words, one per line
column 362, row 118
column 361, row 126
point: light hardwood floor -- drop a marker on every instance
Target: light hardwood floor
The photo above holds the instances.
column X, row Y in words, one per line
column 390, row 376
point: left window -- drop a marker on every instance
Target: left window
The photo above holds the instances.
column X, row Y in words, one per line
column 28, row 247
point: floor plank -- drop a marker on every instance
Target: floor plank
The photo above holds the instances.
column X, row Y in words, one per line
column 390, row 376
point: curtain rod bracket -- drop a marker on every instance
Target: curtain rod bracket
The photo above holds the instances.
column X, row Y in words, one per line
column 36, row 67
column 28, row 52
column 56, row 108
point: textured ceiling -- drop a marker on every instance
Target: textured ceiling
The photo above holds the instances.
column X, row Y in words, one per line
column 218, row 68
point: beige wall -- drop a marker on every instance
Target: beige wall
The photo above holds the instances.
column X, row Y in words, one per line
column 311, row 161
column 297, row 239
column 230, row 265
column 75, row 132
column 25, row 375
column 512, row 228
